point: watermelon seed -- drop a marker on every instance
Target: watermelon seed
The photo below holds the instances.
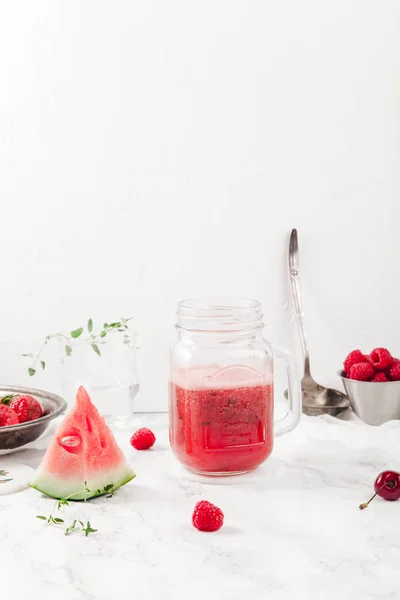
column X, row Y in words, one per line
column 70, row 441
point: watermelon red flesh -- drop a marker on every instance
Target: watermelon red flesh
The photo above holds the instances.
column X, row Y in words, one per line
column 95, row 458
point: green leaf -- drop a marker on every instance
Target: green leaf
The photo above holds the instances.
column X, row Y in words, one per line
column 6, row 480
column 106, row 325
column 28, row 354
column 76, row 332
column 41, row 517
column 6, row 400
column 90, row 325
column 115, row 325
column 31, row 371
column 3, row 473
column 68, row 350
column 96, row 348
column 43, row 364
column 89, row 529
column 108, row 487
column 103, row 334
column 58, row 520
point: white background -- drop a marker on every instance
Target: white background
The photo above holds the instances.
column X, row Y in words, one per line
column 151, row 151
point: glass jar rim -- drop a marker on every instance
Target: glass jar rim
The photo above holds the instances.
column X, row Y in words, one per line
column 219, row 314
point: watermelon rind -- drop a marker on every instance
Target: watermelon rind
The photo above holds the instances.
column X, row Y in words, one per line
column 57, row 487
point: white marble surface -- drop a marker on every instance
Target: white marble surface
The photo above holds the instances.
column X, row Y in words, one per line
column 292, row 530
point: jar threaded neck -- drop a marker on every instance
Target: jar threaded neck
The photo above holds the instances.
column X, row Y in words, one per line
column 219, row 314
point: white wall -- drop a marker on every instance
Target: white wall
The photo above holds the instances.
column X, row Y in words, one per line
column 151, row 151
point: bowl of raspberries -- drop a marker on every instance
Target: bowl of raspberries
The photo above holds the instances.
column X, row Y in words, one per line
column 372, row 383
column 25, row 414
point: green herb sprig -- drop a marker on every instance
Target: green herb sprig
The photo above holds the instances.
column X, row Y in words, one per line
column 93, row 339
column 109, row 490
column 76, row 525
column 4, row 474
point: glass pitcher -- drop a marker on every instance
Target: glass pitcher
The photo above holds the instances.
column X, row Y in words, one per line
column 221, row 402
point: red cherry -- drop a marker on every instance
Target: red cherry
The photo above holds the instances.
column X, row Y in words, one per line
column 387, row 486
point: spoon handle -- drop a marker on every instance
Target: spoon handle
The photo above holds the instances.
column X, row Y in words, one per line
column 295, row 285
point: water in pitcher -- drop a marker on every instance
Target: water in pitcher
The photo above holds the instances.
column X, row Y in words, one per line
column 115, row 402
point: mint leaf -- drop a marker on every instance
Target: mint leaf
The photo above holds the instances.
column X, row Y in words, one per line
column 41, row 517
column 31, row 371
column 96, row 348
column 43, row 364
column 90, row 325
column 103, row 334
column 68, row 350
column 76, row 332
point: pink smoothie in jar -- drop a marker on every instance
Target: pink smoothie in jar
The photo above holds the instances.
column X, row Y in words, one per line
column 221, row 420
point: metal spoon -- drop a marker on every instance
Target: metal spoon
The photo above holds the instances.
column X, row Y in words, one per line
column 317, row 399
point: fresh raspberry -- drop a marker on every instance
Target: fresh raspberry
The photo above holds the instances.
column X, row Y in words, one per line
column 394, row 372
column 27, row 408
column 380, row 377
column 381, row 359
column 143, row 439
column 353, row 358
column 8, row 416
column 362, row 372
column 207, row 516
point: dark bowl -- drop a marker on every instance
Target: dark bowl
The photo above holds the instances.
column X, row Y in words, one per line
column 15, row 436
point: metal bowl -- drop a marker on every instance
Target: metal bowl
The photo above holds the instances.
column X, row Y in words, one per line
column 15, row 436
column 373, row 402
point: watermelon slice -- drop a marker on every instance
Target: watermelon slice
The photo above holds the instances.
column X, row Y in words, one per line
column 83, row 457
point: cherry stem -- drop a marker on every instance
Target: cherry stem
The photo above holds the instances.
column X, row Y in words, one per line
column 390, row 484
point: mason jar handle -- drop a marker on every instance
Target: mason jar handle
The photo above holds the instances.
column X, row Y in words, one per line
column 292, row 417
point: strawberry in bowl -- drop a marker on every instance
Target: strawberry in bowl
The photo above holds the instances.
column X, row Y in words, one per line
column 372, row 383
column 25, row 414
column 26, row 407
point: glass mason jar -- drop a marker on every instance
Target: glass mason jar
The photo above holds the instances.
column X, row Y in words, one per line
column 221, row 401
